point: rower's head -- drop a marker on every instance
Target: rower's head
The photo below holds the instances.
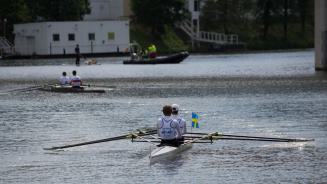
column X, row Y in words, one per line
column 74, row 72
column 175, row 109
column 167, row 109
column 64, row 73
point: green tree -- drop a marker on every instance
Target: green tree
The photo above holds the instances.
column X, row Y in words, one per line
column 264, row 15
column 20, row 11
column 12, row 12
column 155, row 14
column 306, row 16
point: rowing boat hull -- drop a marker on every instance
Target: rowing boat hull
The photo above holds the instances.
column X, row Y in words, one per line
column 69, row 89
column 163, row 152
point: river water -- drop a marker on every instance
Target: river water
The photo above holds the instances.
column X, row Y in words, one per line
column 262, row 94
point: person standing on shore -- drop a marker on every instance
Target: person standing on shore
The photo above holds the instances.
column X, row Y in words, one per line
column 77, row 55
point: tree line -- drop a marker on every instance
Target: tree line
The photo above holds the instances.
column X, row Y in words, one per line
column 260, row 23
column 22, row 11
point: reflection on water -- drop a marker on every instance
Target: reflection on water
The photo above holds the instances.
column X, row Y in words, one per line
column 272, row 94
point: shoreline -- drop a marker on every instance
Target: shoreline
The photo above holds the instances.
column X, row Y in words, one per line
column 126, row 54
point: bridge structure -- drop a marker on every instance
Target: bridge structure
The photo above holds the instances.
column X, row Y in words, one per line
column 321, row 35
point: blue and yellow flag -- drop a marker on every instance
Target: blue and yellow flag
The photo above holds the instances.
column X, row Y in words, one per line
column 195, row 118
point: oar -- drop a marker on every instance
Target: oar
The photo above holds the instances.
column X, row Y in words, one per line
column 140, row 137
column 251, row 138
column 153, row 137
column 99, row 86
column 261, row 139
column 24, row 89
column 124, row 136
column 207, row 136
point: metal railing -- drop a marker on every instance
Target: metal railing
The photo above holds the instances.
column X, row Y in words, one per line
column 210, row 37
column 6, row 47
column 87, row 48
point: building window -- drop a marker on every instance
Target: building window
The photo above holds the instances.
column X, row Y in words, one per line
column 71, row 37
column 56, row 37
column 111, row 36
column 91, row 36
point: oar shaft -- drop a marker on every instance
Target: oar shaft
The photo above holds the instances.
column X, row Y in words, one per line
column 253, row 139
column 257, row 137
column 124, row 136
column 100, row 86
column 140, row 137
column 89, row 142
column 24, row 89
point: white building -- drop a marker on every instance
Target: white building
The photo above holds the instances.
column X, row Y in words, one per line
column 61, row 37
column 105, row 29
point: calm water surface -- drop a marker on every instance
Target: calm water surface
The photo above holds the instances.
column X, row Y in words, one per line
column 266, row 94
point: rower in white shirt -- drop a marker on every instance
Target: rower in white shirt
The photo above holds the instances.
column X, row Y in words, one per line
column 168, row 128
column 75, row 80
column 181, row 121
column 64, row 79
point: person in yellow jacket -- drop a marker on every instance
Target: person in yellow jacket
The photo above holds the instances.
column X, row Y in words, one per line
column 152, row 51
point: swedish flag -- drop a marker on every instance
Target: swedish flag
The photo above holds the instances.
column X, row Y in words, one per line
column 195, row 118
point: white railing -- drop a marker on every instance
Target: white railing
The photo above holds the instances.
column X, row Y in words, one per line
column 210, row 37
column 6, row 47
column 186, row 26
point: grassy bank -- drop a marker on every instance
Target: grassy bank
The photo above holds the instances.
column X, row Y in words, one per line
column 172, row 41
column 166, row 43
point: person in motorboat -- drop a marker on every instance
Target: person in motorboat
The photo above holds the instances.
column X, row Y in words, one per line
column 75, row 80
column 64, row 80
column 168, row 128
column 144, row 53
column 134, row 56
column 181, row 121
column 152, row 51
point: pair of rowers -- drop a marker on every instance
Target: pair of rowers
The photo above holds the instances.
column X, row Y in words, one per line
column 171, row 126
column 75, row 81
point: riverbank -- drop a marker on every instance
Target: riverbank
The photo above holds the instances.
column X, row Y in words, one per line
column 62, row 56
column 125, row 54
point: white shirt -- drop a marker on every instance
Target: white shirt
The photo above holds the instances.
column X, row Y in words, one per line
column 168, row 128
column 181, row 122
column 75, row 81
column 64, row 80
